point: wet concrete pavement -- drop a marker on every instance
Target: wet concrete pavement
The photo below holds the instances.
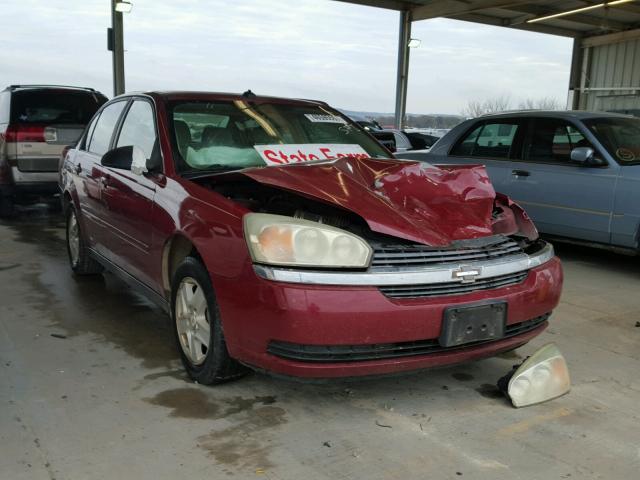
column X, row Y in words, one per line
column 91, row 387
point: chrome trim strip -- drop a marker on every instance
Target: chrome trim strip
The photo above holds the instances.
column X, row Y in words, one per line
column 442, row 273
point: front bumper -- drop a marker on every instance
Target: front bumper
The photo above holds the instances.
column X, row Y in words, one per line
column 346, row 316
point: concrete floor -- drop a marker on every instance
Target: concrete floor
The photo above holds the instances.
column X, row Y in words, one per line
column 91, row 387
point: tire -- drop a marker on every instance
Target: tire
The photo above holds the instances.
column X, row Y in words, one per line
column 80, row 260
column 197, row 326
column 7, row 208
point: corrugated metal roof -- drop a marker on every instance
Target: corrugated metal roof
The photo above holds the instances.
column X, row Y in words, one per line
column 515, row 14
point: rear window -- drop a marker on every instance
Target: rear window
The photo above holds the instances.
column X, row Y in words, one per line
column 54, row 107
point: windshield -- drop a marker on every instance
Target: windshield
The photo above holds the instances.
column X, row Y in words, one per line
column 237, row 134
column 620, row 136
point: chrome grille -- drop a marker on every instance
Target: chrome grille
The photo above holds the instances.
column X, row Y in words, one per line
column 453, row 288
column 422, row 255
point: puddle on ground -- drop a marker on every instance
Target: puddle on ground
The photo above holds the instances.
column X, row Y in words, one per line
column 249, row 439
column 99, row 305
column 191, row 402
column 462, row 376
column 246, row 444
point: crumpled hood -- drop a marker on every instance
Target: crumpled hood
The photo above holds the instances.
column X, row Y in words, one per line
column 411, row 200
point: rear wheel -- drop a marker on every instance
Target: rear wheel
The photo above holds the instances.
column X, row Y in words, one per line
column 7, row 208
column 197, row 326
column 79, row 257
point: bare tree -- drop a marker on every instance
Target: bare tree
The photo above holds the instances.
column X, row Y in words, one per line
column 476, row 108
column 544, row 103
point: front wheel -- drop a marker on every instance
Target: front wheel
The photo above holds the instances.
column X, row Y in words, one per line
column 198, row 328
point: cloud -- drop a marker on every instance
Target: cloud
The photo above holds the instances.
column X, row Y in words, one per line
column 334, row 51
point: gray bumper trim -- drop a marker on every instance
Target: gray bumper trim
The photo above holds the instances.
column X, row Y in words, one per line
column 444, row 273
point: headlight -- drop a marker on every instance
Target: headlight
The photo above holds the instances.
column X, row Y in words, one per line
column 280, row 240
column 543, row 376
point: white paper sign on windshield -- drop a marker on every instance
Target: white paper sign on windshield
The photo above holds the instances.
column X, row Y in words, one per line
column 308, row 152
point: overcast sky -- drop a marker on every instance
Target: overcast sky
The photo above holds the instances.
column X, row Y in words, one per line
column 343, row 54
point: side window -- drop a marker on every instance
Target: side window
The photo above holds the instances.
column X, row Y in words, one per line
column 468, row 143
column 5, row 99
column 90, row 129
column 491, row 140
column 138, row 128
column 552, row 141
column 103, row 131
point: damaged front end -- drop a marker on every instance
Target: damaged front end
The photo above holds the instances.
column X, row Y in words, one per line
column 400, row 226
column 376, row 266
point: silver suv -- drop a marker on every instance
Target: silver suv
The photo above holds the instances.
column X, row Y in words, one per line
column 37, row 122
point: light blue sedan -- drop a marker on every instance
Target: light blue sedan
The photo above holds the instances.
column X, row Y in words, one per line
column 576, row 173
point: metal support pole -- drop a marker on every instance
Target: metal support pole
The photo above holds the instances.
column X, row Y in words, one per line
column 403, row 67
column 118, row 50
column 575, row 77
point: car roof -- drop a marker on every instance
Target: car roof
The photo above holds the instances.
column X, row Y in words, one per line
column 565, row 114
column 13, row 88
column 203, row 95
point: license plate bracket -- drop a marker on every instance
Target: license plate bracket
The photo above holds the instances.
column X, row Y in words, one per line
column 473, row 323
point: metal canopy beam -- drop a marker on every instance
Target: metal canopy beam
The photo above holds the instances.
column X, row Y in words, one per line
column 498, row 22
column 533, row 11
column 452, row 8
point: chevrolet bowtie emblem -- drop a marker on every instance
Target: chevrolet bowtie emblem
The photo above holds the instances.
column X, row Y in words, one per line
column 466, row 274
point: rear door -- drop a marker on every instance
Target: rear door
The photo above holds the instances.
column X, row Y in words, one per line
column 129, row 197
column 494, row 143
column 562, row 197
column 89, row 175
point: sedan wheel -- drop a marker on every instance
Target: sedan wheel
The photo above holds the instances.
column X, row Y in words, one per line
column 73, row 239
column 198, row 327
column 192, row 320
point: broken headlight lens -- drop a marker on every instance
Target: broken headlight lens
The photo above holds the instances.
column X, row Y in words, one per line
column 541, row 377
column 281, row 240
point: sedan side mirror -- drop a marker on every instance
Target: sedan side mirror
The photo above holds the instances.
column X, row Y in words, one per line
column 126, row 158
column 583, row 155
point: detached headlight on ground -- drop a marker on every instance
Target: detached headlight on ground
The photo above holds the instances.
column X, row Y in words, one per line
column 280, row 240
column 541, row 377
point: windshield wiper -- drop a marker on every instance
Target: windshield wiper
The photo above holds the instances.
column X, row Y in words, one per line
column 209, row 171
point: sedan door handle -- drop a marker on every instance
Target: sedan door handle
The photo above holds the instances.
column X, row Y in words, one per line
column 78, row 169
column 520, row 173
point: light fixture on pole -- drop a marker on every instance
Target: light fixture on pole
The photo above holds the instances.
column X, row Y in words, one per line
column 414, row 43
column 123, row 6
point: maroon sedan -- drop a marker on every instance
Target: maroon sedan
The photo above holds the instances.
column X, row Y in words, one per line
column 280, row 236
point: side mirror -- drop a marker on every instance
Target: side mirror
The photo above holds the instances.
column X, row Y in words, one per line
column 583, row 155
column 126, row 158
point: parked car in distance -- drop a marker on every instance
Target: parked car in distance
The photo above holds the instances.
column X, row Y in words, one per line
column 576, row 173
column 278, row 235
column 402, row 141
column 36, row 123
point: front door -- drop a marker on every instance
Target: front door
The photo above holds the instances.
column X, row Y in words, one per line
column 129, row 197
column 562, row 197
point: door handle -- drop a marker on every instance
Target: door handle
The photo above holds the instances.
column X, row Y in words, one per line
column 520, row 173
column 78, row 169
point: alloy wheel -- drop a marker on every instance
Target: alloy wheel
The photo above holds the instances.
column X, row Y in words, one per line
column 192, row 320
